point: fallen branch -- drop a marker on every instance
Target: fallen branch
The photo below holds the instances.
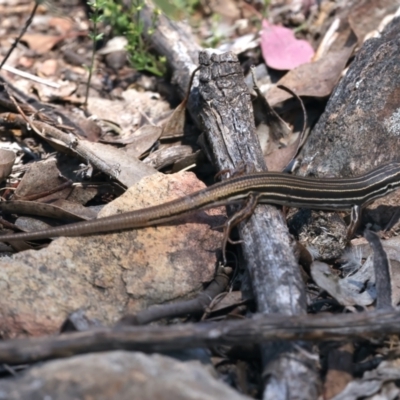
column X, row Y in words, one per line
column 260, row 329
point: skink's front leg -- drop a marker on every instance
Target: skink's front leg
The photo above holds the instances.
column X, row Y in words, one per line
column 245, row 212
column 355, row 219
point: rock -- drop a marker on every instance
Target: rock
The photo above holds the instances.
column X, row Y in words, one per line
column 117, row 375
column 110, row 275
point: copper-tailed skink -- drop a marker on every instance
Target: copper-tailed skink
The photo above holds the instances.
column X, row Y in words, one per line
column 266, row 187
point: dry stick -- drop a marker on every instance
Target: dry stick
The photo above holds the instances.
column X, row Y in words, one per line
column 260, row 329
column 227, row 116
column 16, row 41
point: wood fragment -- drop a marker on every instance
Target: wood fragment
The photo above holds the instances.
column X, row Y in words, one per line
column 382, row 272
column 227, row 116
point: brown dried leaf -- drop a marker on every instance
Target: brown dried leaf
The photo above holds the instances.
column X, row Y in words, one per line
column 175, row 124
column 142, row 140
column 7, row 159
column 63, row 25
column 339, row 370
column 41, row 178
column 271, row 128
column 315, row 79
column 366, row 16
column 228, row 300
column 278, row 141
column 41, row 44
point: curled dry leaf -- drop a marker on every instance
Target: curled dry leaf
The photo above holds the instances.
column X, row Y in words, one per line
column 279, row 143
column 392, row 250
column 175, row 124
column 359, row 288
column 354, row 289
column 108, row 159
column 166, row 156
column 240, row 44
column 117, row 43
column 7, row 159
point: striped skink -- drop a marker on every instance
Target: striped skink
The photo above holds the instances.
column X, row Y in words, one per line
column 265, row 187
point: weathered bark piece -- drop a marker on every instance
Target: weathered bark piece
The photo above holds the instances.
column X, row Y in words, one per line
column 360, row 127
column 151, row 338
column 227, row 116
column 118, row 375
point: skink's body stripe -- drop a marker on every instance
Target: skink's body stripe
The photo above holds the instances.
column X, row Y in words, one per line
column 270, row 187
column 325, row 194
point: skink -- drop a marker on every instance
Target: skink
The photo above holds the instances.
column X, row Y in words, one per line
column 266, row 187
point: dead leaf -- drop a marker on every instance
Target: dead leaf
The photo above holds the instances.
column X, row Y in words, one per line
column 41, row 178
column 117, row 43
column 63, row 25
column 274, row 134
column 114, row 161
column 7, row 159
column 142, row 140
column 240, row 44
column 316, row 79
column 339, row 370
column 354, row 289
column 366, row 16
column 392, row 249
column 228, row 300
column 379, row 383
column 128, row 112
column 175, row 124
column 41, row 44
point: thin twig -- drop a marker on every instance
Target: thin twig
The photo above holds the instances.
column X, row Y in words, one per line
column 24, row 29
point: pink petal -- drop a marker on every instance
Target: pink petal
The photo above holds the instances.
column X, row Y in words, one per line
column 281, row 50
